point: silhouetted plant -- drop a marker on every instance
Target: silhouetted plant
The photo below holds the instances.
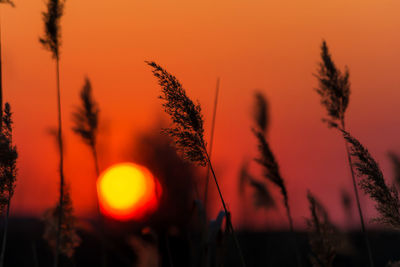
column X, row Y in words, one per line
column 211, row 141
column 51, row 42
column 7, row 2
column 86, row 119
column 267, row 159
column 261, row 112
column 271, row 170
column 8, row 171
column 372, row 182
column 334, row 89
column 69, row 239
column 322, row 236
column 187, row 130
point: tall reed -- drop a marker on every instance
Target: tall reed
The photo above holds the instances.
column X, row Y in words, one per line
column 334, row 89
column 211, row 140
column 64, row 238
column 8, row 172
column 51, row 41
column 86, row 121
column 372, row 181
column 7, row 128
column 323, row 235
column 187, row 130
column 267, row 159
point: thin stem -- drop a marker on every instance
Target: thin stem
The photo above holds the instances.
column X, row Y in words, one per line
column 228, row 217
column 4, row 242
column 294, row 240
column 100, row 217
column 364, row 231
column 60, row 146
column 211, row 142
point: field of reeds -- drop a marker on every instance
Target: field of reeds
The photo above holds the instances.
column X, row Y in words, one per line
column 181, row 230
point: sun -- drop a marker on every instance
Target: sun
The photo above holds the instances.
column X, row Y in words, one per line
column 128, row 191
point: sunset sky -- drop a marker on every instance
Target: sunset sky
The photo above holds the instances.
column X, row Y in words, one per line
column 272, row 46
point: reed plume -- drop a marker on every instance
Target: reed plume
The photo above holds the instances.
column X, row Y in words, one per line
column 322, row 235
column 51, row 41
column 8, row 172
column 271, row 170
column 65, row 240
column 86, row 120
column 261, row 112
column 187, row 130
column 11, row 3
column 267, row 159
column 372, row 182
column 334, row 89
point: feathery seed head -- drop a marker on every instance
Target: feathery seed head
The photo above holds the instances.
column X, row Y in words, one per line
column 86, row 116
column 187, row 130
column 52, row 33
column 334, row 86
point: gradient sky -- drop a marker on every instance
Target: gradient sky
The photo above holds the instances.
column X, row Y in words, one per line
column 272, row 46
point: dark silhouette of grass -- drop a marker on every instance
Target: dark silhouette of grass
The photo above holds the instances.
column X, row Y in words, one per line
column 187, row 130
column 266, row 158
column 323, row 236
column 8, row 171
column 86, row 120
column 211, row 140
column 65, row 238
column 51, row 41
column 372, row 182
column 334, row 89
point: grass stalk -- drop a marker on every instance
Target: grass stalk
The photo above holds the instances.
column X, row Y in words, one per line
column 61, row 151
column 211, row 142
column 360, row 213
column 228, row 216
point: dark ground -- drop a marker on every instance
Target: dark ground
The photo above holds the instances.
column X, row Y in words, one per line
column 25, row 247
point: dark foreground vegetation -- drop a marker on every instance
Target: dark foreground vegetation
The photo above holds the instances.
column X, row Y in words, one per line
column 26, row 247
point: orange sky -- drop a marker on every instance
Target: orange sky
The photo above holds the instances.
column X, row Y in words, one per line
column 269, row 45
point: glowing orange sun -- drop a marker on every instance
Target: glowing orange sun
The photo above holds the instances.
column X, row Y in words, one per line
column 128, row 191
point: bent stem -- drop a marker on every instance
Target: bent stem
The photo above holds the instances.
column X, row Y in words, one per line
column 60, row 146
column 211, row 142
column 228, row 217
column 364, row 231
column 100, row 217
column 294, row 240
